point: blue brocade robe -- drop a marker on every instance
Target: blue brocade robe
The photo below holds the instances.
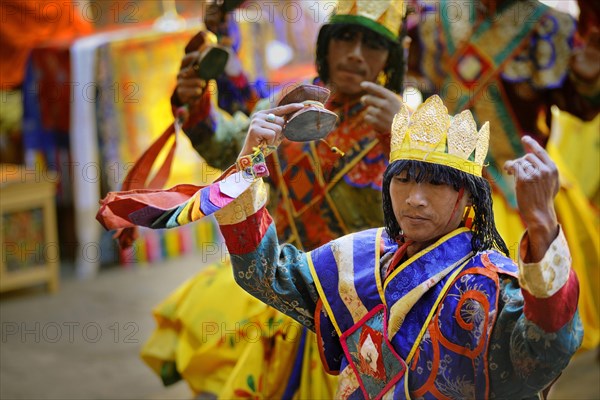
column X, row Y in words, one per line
column 446, row 323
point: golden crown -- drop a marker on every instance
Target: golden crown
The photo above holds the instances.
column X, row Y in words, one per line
column 382, row 16
column 431, row 135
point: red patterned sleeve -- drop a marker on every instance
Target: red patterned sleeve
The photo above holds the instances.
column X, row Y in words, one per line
column 550, row 286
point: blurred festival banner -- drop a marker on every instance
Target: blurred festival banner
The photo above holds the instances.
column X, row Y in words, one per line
column 91, row 107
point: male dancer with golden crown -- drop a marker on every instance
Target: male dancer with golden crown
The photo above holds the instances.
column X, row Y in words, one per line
column 429, row 306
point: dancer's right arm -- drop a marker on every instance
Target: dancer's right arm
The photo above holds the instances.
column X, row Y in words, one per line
column 277, row 274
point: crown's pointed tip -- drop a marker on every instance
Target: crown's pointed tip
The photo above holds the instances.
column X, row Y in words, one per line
column 484, row 132
column 467, row 114
column 437, row 103
column 399, row 125
column 404, row 110
column 483, row 143
column 433, row 102
column 436, row 99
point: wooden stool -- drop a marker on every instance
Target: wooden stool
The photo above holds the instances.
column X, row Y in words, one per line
column 28, row 236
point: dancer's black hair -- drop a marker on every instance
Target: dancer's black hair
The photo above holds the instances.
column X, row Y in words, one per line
column 485, row 234
column 396, row 64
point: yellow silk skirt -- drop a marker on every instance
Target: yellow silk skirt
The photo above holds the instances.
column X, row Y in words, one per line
column 225, row 342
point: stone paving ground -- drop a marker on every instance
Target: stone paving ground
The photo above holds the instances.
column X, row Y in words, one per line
column 84, row 341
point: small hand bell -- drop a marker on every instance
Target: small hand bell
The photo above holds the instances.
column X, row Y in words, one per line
column 314, row 121
column 211, row 62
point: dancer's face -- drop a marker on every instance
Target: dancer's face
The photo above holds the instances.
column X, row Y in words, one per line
column 355, row 55
column 426, row 211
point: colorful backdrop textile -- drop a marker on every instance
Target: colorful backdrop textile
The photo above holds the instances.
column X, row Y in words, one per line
column 91, row 107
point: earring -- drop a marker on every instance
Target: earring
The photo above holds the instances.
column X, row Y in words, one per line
column 467, row 220
column 381, row 78
column 400, row 238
